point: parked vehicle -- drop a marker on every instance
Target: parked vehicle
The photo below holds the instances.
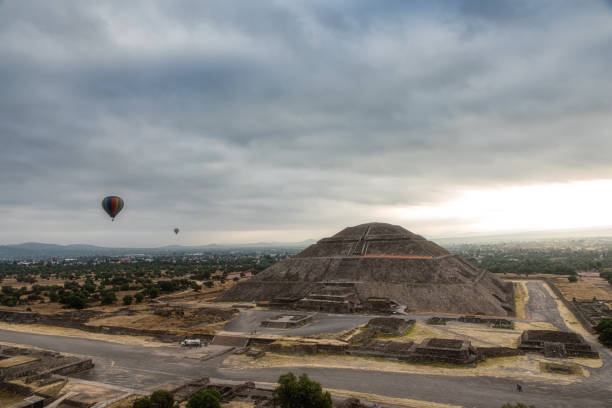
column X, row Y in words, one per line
column 191, row 343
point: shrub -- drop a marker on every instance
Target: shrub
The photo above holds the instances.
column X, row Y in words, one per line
column 572, row 278
column 300, row 393
column 76, row 301
column 209, row 398
column 161, row 399
column 142, row 403
column 604, row 328
column 518, row 405
column 127, row 300
column 138, row 296
column 108, row 297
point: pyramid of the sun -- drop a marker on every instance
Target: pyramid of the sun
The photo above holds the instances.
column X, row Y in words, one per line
column 376, row 262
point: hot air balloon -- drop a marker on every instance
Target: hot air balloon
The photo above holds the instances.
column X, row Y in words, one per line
column 112, row 205
column 176, row 230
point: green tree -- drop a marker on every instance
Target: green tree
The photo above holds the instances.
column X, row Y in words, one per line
column 300, row 393
column 572, row 278
column 209, row 398
column 153, row 292
column 161, row 399
column 143, row 402
column 108, row 297
column 604, row 328
column 138, row 297
column 127, row 300
column 76, row 301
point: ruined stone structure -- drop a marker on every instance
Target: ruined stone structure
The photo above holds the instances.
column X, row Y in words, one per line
column 374, row 268
column 287, row 321
column 593, row 311
column 556, row 344
column 390, row 325
column 31, row 364
column 491, row 322
column 449, row 351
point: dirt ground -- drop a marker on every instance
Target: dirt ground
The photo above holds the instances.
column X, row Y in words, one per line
column 89, row 394
column 589, row 285
column 8, row 398
column 479, row 335
column 521, row 296
column 124, row 403
column 519, row 367
column 15, row 361
column 174, row 320
column 66, row 332
column 380, row 399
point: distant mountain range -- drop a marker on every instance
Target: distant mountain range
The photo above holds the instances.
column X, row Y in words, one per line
column 37, row 250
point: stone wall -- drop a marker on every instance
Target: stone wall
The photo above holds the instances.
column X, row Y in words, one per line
column 391, row 325
column 486, row 352
column 491, row 322
column 363, row 336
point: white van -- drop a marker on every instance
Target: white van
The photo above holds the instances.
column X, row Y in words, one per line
column 191, row 343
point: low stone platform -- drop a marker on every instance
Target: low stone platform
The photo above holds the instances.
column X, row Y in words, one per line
column 390, row 325
column 450, row 351
column 556, row 344
column 288, row 321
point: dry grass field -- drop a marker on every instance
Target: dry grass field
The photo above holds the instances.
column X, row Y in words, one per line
column 173, row 323
column 521, row 296
column 519, row 367
column 479, row 335
column 124, row 403
column 8, row 398
column 16, row 360
column 589, row 285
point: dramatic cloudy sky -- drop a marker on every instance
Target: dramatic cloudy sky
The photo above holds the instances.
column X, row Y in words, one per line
column 243, row 121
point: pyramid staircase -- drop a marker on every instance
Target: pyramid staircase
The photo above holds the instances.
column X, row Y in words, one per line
column 333, row 297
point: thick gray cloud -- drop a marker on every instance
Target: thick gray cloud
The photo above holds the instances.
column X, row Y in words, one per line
column 291, row 116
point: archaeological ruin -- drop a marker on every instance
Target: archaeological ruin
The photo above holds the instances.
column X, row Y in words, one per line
column 377, row 268
column 287, row 321
column 556, row 344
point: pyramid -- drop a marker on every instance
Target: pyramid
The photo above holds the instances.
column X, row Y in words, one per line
column 376, row 266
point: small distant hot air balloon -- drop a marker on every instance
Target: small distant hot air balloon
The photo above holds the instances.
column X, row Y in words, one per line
column 112, row 205
column 176, row 230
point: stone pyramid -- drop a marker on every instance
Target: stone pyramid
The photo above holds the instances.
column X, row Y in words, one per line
column 369, row 265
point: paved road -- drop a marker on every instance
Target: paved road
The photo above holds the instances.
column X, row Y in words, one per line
column 140, row 367
column 542, row 307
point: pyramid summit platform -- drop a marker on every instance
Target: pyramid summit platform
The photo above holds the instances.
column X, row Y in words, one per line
column 377, row 267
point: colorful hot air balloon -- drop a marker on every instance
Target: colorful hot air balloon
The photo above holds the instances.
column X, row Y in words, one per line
column 176, row 230
column 112, row 205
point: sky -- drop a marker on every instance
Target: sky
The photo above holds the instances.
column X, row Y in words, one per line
column 250, row 121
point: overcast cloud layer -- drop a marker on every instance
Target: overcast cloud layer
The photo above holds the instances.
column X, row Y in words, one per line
column 256, row 120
